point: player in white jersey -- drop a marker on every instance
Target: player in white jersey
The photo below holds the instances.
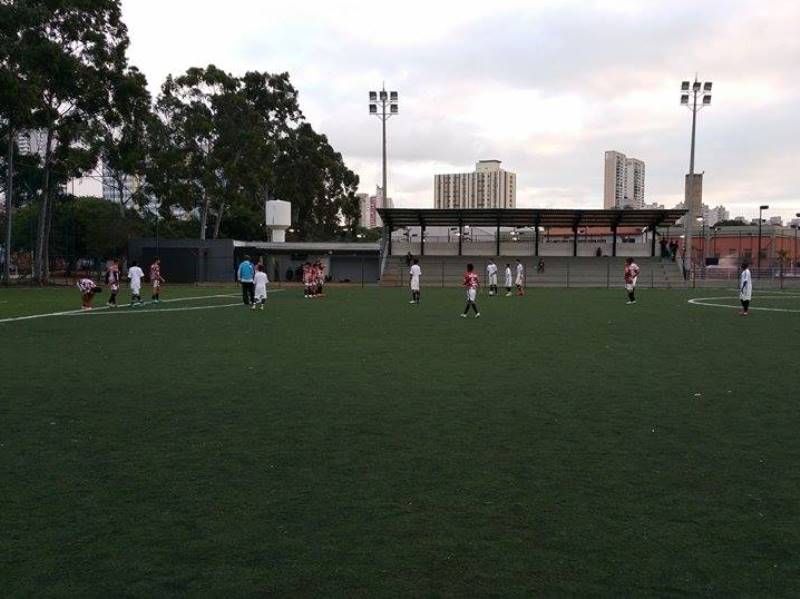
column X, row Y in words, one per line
column 491, row 275
column 260, row 281
column 520, row 280
column 745, row 289
column 135, row 276
column 416, row 275
column 508, row 280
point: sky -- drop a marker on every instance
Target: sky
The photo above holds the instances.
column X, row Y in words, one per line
column 544, row 86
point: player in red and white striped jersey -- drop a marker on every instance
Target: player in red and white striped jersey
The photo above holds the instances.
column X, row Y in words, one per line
column 631, row 275
column 471, row 282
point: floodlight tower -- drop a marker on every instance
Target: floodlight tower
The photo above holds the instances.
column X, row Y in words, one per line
column 383, row 105
column 695, row 95
column 760, row 221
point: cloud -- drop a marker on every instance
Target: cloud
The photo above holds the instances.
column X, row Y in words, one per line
column 544, row 86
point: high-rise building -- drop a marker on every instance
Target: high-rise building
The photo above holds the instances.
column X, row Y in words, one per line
column 488, row 187
column 111, row 191
column 623, row 181
column 715, row 215
column 368, row 207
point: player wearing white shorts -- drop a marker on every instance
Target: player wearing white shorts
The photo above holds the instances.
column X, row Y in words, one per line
column 491, row 276
column 135, row 276
column 745, row 289
column 631, row 277
column 416, row 274
column 156, row 279
column 508, row 280
column 260, row 281
column 520, row 280
column 471, row 283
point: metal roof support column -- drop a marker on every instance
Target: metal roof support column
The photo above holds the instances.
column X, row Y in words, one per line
column 653, row 242
column 614, row 241
column 497, row 253
column 575, row 241
column 536, row 239
column 460, row 234
column 421, row 236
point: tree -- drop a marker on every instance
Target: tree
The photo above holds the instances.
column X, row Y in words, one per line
column 124, row 147
column 311, row 174
column 71, row 52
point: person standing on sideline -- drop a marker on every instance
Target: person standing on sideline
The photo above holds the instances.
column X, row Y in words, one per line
column 416, row 273
column 245, row 276
column 745, row 289
column 112, row 279
column 156, row 279
column 135, row 276
column 260, row 281
column 471, row 283
column 508, row 280
column 491, row 275
column 631, row 276
column 520, row 280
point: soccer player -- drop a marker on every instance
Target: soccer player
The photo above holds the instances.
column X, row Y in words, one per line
column 260, row 281
column 491, row 275
column 508, row 280
column 135, row 276
column 112, row 279
column 245, row 276
column 320, row 279
column 520, row 280
column 156, row 279
column 416, row 274
column 631, row 276
column 88, row 290
column 745, row 289
column 308, row 277
column 471, row 283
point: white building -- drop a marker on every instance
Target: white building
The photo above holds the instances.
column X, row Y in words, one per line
column 368, row 208
column 623, row 185
column 488, row 187
column 715, row 215
column 111, row 190
column 776, row 221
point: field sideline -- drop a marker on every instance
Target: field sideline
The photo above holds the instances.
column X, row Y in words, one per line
column 564, row 443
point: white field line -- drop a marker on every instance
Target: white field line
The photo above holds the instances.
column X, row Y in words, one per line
column 160, row 311
column 709, row 301
column 122, row 306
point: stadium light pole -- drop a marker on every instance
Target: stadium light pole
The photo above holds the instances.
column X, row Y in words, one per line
column 691, row 92
column 797, row 226
column 384, row 105
column 760, row 220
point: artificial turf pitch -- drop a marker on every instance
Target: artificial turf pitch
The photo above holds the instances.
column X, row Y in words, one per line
column 564, row 443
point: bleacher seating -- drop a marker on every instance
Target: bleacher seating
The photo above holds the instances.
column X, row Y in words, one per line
column 559, row 271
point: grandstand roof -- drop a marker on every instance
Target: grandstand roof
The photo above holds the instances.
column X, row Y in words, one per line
column 528, row 217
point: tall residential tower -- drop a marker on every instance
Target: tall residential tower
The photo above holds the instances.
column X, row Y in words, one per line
column 624, row 181
column 488, row 187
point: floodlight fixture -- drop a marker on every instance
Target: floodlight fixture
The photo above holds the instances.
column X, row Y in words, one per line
column 707, row 86
column 373, row 109
column 706, row 100
column 696, row 86
column 763, row 207
column 373, row 96
column 393, row 96
column 685, row 86
column 685, row 99
column 393, row 109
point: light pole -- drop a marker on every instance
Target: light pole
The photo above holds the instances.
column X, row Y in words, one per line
column 691, row 92
column 797, row 226
column 383, row 105
column 760, row 220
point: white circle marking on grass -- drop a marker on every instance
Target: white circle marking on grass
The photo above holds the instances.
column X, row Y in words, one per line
column 709, row 301
column 106, row 309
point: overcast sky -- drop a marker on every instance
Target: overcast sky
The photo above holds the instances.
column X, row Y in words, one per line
column 544, row 86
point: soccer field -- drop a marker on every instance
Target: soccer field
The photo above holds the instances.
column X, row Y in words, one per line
column 563, row 443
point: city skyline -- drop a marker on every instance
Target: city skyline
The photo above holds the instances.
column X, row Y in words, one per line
column 549, row 95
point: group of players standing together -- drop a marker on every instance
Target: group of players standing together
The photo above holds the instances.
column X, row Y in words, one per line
column 472, row 282
column 89, row 289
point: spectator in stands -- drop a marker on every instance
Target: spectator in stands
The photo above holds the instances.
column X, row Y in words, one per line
column 673, row 249
column 245, row 275
column 664, row 249
column 598, row 252
column 540, row 265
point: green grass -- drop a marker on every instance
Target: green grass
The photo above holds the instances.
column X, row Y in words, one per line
column 565, row 443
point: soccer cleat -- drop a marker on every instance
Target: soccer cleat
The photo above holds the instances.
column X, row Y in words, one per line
column 463, row 315
column 478, row 315
column 412, row 302
column 262, row 306
column 252, row 306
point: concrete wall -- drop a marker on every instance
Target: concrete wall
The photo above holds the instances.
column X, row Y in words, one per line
column 186, row 260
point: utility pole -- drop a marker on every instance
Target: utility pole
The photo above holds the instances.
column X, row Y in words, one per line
column 693, row 91
column 383, row 105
